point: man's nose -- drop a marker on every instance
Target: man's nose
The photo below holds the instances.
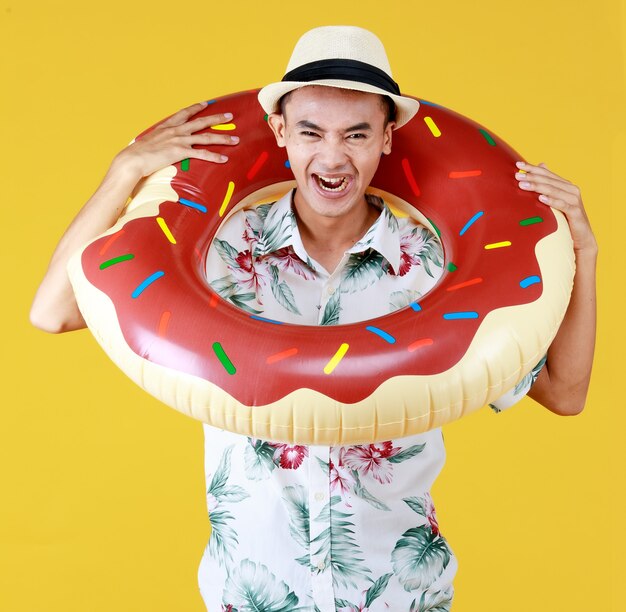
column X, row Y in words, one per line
column 333, row 154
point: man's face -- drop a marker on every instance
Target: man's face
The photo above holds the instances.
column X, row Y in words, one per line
column 334, row 139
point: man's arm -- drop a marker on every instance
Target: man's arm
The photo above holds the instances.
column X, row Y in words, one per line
column 54, row 308
column 563, row 382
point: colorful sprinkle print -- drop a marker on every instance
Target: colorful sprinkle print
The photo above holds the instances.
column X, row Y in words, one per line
column 166, row 230
column 192, row 204
column 224, row 127
column 282, row 355
column 146, row 283
column 337, row 357
column 531, row 221
column 381, row 334
column 469, row 283
column 116, row 260
column 453, row 316
column 432, row 126
column 460, row 174
column 406, row 167
column 257, row 165
column 528, row 281
column 184, row 165
column 488, row 137
column 164, row 321
column 223, row 357
column 229, row 193
column 419, row 344
column 471, row 222
column 498, row 245
column 258, row 318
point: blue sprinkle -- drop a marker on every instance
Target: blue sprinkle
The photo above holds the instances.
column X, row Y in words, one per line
column 287, row 164
column 191, row 204
column 451, row 316
column 211, row 101
column 475, row 218
column 137, row 292
column 427, row 103
column 383, row 334
column 528, row 281
column 265, row 320
column 415, row 306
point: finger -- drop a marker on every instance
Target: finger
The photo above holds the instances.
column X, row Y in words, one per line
column 206, row 155
column 209, row 139
column 540, row 170
column 554, row 191
column 531, row 181
column 184, row 114
column 201, row 123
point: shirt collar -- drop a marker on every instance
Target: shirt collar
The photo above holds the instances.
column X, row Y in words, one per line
column 280, row 230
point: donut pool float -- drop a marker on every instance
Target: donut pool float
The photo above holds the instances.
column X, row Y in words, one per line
column 508, row 275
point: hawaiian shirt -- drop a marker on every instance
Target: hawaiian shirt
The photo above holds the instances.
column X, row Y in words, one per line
column 325, row 528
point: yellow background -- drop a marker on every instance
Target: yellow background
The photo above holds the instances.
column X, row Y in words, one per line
column 102, row 488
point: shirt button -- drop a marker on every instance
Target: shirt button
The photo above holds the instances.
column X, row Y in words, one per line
column 321, row 565
column 330, row 290
column 319, row 496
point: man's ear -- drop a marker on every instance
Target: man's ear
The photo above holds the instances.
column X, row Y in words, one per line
column 277, row 124
column 387, row 137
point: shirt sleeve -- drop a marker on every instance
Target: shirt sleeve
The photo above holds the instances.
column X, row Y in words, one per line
column 520, row 390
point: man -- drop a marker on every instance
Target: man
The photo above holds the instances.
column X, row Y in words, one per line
column 328, row 528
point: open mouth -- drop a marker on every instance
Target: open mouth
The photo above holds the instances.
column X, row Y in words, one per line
column 331, row 183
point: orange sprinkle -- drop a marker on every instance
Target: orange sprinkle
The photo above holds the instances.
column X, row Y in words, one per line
column 473, row 281
column 163, row 323
column 110, row 241
column 214, row 300
column 419, row 344
column 465, row 174
column 282, row 355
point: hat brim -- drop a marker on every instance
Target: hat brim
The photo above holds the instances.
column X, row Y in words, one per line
column 406, row 108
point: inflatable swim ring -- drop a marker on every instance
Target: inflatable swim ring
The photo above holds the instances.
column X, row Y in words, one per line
column 489, row 320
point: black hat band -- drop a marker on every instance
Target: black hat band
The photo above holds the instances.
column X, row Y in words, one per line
column 346, row 70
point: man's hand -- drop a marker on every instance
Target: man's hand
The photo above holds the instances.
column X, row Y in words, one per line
column 562, row 195
column 563, row 383
column 175, row 139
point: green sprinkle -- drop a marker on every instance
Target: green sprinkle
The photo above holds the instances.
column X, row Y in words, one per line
column 265, row 117
column 452, row 267
column 223, row 357
column 115, row 260
column 531, row 221
column 184, row 165
column 434, row 226
column 488, row 137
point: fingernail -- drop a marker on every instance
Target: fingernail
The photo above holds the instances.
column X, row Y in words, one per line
column 520, row 164
column 520, row 175
column 223, row 158
column 235, row 138
column 228, row 115
column 544, row 199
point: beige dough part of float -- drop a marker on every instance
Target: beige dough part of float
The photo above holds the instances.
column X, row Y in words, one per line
column 508, row 275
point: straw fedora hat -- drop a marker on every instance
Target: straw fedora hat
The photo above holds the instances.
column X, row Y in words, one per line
column 340, row 56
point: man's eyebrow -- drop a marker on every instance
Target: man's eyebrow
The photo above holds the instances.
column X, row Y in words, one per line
column 309, row 125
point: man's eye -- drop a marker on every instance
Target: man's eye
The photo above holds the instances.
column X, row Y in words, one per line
column 357, row 136
column 307, row 133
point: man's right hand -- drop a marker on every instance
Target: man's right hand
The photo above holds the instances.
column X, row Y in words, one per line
column 54, row 308
column 174, row 140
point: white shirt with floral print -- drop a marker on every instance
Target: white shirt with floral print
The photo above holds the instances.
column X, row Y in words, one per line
column 319, row 528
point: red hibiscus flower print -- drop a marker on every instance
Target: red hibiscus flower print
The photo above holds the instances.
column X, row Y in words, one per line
column 341, row 478
column 429, row 506
column 287, row 259
column 250, row 273
column 373, row 460
column 289, row 456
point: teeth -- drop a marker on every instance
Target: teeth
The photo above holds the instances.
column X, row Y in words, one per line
column 332, row 183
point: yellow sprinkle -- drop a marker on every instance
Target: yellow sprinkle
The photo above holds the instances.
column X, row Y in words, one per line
column 337, row 357
column 229, row 193
column 396, row 212
column 498, row 245
column 432, row 126
column 166, row 230
column 224, row 127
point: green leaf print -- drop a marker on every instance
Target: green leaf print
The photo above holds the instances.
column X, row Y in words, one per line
column 227, row 288
column 298, row 508
column 347, row 562
column 227, row 252
column 259, row 460
column 221, row 474
column 240, row 299
column 256, row 217
column 360, row 491
column 431, row 252
column 407, row 453
column 282, row 293
column 251, row 586
column 376, row 590
column 276, row 232
column 361, row 271
column 419, row 558
column 332, row 310
column 417, row 504
column 437, row 601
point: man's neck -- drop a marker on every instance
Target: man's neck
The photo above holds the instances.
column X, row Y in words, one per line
column 326, row 239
